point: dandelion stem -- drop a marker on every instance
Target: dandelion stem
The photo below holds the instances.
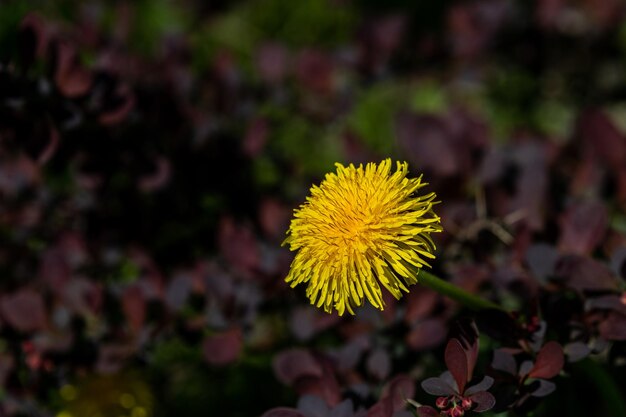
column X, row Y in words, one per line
column 452, row 291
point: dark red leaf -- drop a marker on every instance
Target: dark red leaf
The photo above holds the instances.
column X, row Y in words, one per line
column 419, row 304
column 613, row 327
column 437, row 386
column 24, row 310
column 398, row 390
column 282, row 412
column 134, row 307
column 426, row 411
column 223, row 348
column 483, row 385
column 292, row 364
column 378, row 364
column 576, row 351
column 583, row 273
column 380, row 409
column 427, row 334
column 549, row 361
column 582, row 227
column 504, row 361
column 544, row 388
column 457, row 363
column 426, row 141
column 484, row 401
column 239, row 246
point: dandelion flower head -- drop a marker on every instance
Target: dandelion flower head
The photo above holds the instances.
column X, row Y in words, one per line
column 361, row 227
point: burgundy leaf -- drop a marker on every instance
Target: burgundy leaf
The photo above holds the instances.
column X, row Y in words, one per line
column 314, row 70
column 312, row 406
column 427, row 411
column 134, row 307
column 426, row 141
column 483, row 385
column 427, row 334
column 398, row 390
column 484, row 401
column 255, row 137
column 541, row 259
column 239, row 246
column 71, row 78
column 582, row 227
column 504, row 361
column 124, row 102
column 549, row 361
column 157, row 179
column 419, row 304
column 223, row 348
column 576, row 351
column 545, row 388
column 583, row 273
column 380, row 409
column 271, row 61
column 24, row 310
column 292, row 364
column 378, row 364
column 282, row 412
column 457, row 363
column 437, row 386
column 613, row 327
column 343, row 409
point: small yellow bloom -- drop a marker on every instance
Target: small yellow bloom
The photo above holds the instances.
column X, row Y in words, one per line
column 361, row 226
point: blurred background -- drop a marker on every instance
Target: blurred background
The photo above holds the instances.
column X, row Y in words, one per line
column 152, row 152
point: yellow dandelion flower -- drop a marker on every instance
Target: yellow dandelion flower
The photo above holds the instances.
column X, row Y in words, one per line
column 360, row 227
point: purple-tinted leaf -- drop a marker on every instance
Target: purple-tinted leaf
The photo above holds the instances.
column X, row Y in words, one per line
column 525, row 367
column 158, row 178
column 583, row 227
column 549, row 361
column 255, row 137
column 457, row 363
column 282, row 412
column 239, row 246
column 484, row 401
column 545, row 388
column 613, row 327
column 271, row 61
column 378, row 364
column 541, row 259
column 134, row 307
column 292, row 364
column 223, row 348
column 618, row 262
column 576, row 351
column 427, row 334
column 343, row 409
column 583, row 273
column 483, row 385
column 426, row 140
column 24, row 310
column 324, row 386
column 426, row 411
column 419, row 304
column 504, row 361
column 398, row 390
column 437, row 386
column 312, row 406
column 380, row 409
column 606, row 302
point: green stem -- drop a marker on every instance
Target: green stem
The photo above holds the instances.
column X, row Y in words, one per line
column 452, row 291
column 605, row 386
